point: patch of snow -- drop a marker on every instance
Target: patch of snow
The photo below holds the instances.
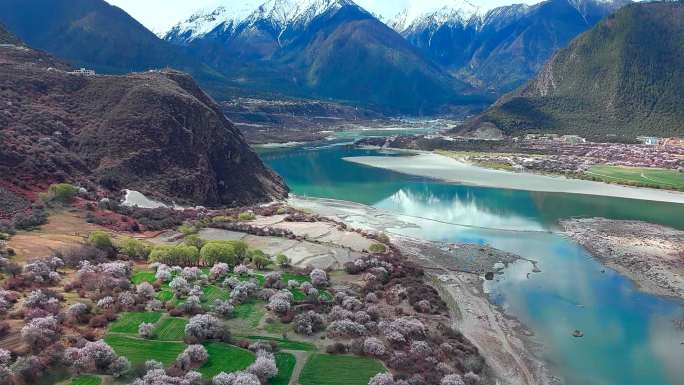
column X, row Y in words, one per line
column 228, row 18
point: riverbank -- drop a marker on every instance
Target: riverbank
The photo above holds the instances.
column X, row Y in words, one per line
column 436, row 166
column 650, row 255
column 457, row 271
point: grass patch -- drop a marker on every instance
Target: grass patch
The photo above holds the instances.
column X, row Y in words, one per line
column 225, row 358
column 128, row 322
column 138, row 350
column 165, row 295
column 286, row 363
column 286, row 344
column 645, row 177
column 86, row 380
column 139, row 277
column 251, row 312
column 212, row 293
column 277, row 327
column 171, row 329
column 326, row 369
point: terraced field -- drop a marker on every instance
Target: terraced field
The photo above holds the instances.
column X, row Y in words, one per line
column 128, row 322
column 326, row 369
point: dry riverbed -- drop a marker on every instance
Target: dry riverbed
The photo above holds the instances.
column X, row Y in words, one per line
column 651, row 255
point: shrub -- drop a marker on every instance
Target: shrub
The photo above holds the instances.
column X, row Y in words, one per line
column 280, row 302
column 204, row 327
column 346, row 328
column 374, row 347
column 28, row 221
column 382, row 379
column 319, row 278
column 377, row 248
column 62, row 192
column 239, row 378
column 187, row 230
column 100, row 240
column 218, row 252
column 41, row 332
column 308, row 323
column 264, row 367
column 134, row 249
column 175, row 255
column 146, row 330
column 283, row 260
column 223, row 308
column 246, row 216
column 259, row 259
column 194, row 240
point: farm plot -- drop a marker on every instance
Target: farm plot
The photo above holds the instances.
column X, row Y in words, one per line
column 128, row 322
column 326, row 369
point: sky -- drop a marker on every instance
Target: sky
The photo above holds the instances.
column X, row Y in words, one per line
column 160, row 15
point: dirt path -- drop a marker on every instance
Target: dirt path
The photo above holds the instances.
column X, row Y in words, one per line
column 301, row 358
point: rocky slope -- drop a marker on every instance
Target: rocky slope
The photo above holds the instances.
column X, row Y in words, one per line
column 501, row 48
column 156, row 132
column 623, row 78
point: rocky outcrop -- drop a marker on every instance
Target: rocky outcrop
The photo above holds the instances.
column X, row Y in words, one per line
column 156, row 132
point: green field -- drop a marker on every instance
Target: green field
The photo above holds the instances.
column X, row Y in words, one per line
column 138, row 350
column 285, row 344
column 286, row 363
column 645, row 177
column 171, row 329
column 139, row 277
column 128, row 322
column 326, row 369
column 86, row 380
column 165, row 295
column 225, row 358
column 251, row 311
column 212, row 293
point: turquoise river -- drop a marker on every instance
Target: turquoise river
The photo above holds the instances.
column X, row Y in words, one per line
column 630, row 337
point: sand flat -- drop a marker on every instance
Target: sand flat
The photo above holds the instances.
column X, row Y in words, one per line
column 451, row 170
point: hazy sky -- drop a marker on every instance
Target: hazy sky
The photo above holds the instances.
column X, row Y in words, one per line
column 160, row 15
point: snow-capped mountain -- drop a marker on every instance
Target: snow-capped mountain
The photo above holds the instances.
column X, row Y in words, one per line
column 232, row 18
column 422, row 14
column 503, row 47
column 320, row 48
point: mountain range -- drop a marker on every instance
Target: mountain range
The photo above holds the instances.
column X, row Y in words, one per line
column 455, row 58
column 623, row 78
column 501, row 48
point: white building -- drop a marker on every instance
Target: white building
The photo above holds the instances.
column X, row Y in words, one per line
column 83, row 72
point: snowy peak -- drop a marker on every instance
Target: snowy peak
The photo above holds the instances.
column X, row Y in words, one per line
column 228, row 18
column 422, row 15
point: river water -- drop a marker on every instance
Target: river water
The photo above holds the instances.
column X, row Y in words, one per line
column 629, row 337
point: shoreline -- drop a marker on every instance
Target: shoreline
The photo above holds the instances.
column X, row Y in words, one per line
column 649, row 255
column 508, row 346
column 434, row 166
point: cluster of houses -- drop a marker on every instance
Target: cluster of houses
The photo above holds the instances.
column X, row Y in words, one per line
column 82, row 72
column 570, row 154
